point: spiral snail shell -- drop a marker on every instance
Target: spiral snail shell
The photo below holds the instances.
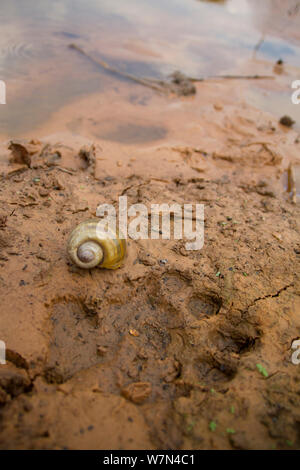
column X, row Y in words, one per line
column 88, row 247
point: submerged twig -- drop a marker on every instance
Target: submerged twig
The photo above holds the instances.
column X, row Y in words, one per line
column 181, row 84
column 141, row 81
column 232, row 77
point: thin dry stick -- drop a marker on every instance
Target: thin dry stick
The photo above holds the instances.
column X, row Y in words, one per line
column 216, row 77
column 141, row 81
column 161, row 85
column 232, row 77
column 64, row 170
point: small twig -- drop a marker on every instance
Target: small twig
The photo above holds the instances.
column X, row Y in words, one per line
column 224, row 77
column 180, row 85
column 249, row 144
column 232, row 77
column 142, row 81
column 64, row 170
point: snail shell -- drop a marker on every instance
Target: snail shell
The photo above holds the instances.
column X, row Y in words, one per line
column 88, row 247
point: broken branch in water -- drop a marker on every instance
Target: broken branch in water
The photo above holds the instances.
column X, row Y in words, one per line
column 232, row 77
column 181, row 84
column 141, row 81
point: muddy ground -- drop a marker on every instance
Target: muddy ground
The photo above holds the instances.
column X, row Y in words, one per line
column 177, row 349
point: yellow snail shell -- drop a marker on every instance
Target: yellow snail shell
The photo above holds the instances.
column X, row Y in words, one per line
column 87, row 248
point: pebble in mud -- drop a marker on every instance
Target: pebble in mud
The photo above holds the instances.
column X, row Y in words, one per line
column 102, row 350
column 43, row 192
column 163, row 262
column 287, row 121
column 137, row 392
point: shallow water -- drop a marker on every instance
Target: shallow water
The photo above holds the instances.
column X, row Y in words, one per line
column 43, row 75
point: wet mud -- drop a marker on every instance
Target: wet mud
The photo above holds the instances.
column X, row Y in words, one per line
column 177, row 349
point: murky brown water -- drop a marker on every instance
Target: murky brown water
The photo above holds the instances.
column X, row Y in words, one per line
column 198, row 37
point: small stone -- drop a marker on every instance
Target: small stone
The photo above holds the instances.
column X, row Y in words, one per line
column 278, row 236
column 137, row 392
column 43, row 192
column 102, row 350
column 287, row 121
column 218, row 107
column 163, row 262
column 133, row 332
